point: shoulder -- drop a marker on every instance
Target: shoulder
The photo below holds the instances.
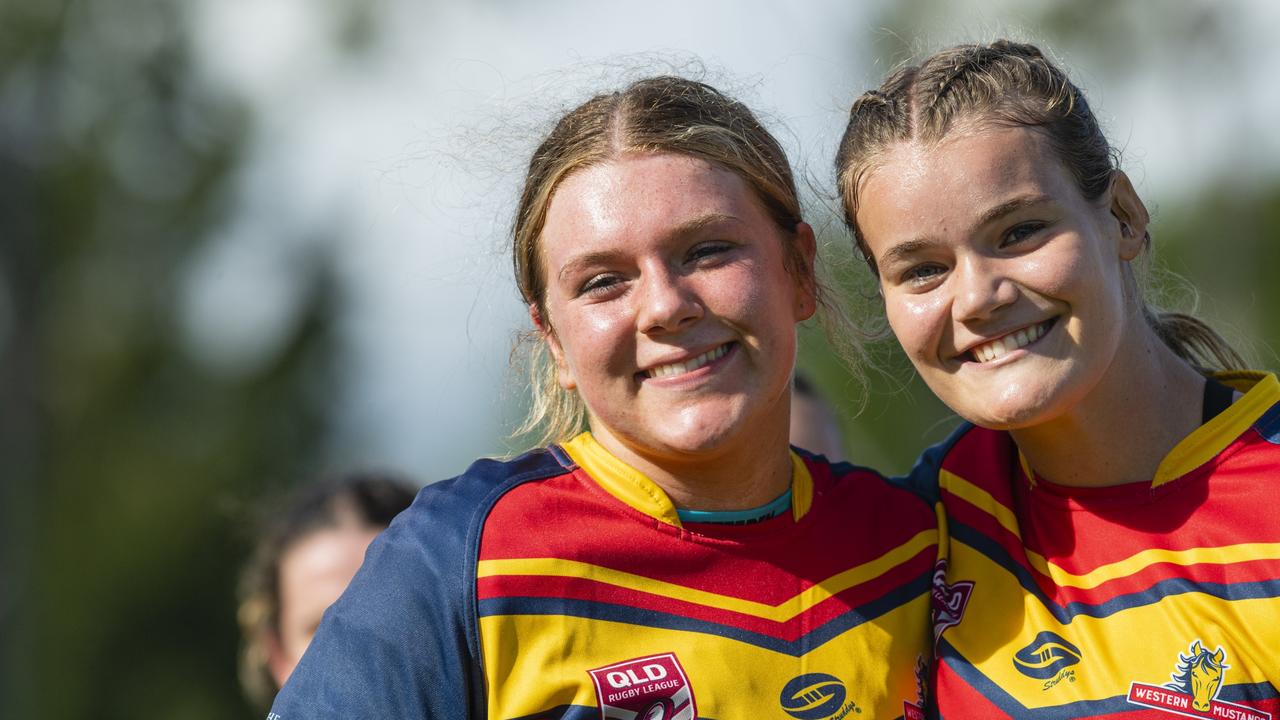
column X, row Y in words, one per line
column 463, row 500
column 862, row 485
column 446, row 515
column 970, row 452
column 1268, row 423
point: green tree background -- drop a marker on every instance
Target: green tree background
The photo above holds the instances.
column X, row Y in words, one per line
column 127, row 468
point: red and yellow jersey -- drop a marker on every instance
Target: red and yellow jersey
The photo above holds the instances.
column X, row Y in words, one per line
column 564, row 585
column 1146, row 600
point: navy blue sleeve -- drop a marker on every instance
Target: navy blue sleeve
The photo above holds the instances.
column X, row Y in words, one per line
column 401, row 641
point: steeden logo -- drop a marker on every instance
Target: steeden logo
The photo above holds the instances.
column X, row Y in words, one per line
column 1197, row 680
column 1048, row 657
column 646, row 688
column 816, row 696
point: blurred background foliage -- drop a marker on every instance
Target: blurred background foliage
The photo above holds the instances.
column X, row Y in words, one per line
column 127, row 465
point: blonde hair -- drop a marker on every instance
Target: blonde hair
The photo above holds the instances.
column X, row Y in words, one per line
column 1008, row 84
column 656, row 115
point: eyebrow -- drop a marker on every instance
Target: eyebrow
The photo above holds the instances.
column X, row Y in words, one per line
column 686, row 229
column 1012, row 205
column 903, row 250
column 1008, row 207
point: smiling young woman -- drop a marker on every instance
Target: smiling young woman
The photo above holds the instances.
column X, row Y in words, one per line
column 1109, row 508
column 677, row 560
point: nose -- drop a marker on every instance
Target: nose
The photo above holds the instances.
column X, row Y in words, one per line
column 981, row 288
column 666, row 302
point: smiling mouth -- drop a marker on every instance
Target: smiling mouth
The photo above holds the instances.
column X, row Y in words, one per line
column 680, row 368
column 998, row 348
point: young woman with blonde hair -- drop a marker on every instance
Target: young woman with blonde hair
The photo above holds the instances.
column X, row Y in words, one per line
column 678, row 559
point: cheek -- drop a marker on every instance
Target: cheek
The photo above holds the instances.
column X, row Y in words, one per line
column 1073, row 269
column 916, row 320
column 591, row 336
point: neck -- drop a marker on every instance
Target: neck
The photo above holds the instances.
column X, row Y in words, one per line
column 739, row 475
column 1148, row 401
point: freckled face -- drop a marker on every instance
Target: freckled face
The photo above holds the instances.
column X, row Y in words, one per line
column 671, row 309
column 1003, row 284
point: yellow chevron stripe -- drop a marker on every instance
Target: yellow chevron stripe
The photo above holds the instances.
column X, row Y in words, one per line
column 1224, row 555
column 980, row 498
column 1003, row 617
column 782, row 612
column 535, row 662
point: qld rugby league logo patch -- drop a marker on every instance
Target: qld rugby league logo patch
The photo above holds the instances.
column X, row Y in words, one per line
column 949, row 600
column 646, row 688
column 1197, row 679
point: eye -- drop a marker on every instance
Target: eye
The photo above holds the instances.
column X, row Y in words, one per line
column 922, row 274
column 1021, row 232
column 707, row 250
column 601, row 285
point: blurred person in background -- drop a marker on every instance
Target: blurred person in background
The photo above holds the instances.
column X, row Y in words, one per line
column 676, row 560
column 1114, row 548
column 306, row 555
column 814, row 426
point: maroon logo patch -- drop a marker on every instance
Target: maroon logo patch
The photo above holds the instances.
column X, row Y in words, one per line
column 647, row 688
column 949, row 600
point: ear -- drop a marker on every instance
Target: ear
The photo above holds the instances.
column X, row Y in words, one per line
column 563, row 374
column 1128, row 210
column 277, row 662
column 1219, row 656
column 806, row 289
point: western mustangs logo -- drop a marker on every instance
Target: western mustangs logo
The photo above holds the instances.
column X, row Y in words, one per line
column 1048, row 657
column 1194, row 690
column 816, row 696
column 949, row 601
column 646, row 688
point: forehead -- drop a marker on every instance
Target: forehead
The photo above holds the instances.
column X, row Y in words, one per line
column 641, row 196
column 920, row 187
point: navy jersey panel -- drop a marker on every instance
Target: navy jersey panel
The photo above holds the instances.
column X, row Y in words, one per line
column 401, row 641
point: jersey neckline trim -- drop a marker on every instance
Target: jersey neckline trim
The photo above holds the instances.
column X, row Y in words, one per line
column 1261, row 392
column 639, row 492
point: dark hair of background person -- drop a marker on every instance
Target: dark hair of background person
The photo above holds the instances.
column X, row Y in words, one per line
column 1007, row 84
column 369, row 499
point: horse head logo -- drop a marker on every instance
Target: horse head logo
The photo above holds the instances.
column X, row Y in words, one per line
column 1199, row 675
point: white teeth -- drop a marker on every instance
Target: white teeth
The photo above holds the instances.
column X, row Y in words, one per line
column 680, row 368
column 997, row 348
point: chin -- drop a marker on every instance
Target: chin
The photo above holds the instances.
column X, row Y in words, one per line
column 1011, row 413
column 696, row 443
column 701, row 434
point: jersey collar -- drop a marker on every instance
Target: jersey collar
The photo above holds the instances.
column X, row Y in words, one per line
column 1261, row 391
column 635, row 489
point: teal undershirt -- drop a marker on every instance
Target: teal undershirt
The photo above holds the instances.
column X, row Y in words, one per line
column 772, row 509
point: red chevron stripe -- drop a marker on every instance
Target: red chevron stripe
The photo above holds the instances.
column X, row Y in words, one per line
column 550, row 518
column 957, row 699
column 1124, row 520
column 790, row 630
column 1241, row 572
